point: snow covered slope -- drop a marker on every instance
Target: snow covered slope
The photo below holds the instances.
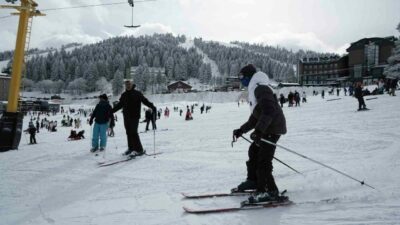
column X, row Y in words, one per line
column 214, row 68
column 59, row 182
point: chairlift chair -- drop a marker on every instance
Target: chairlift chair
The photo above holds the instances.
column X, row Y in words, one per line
column 131, row 3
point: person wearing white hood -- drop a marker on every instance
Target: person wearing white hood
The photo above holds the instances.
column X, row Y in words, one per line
column 269, row 123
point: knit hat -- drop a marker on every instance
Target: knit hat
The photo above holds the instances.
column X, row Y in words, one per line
column 248, row 70
column 103, row 96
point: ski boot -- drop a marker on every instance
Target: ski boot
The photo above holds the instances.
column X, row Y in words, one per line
column 270, row 196
column 245, row 186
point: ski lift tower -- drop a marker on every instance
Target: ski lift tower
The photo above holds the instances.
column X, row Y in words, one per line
column 11, row 121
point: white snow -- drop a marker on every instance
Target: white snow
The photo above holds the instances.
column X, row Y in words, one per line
column 58, row 181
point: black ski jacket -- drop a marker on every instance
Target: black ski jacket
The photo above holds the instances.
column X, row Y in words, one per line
column 131, row 104
column 102, row 113
column 267, row 116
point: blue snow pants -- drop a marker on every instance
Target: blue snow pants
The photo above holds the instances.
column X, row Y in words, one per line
column 99, row 131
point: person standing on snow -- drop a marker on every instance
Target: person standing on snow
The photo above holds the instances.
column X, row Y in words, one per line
column 269, row 123
column 358, row 93
column 131, row 102
column 150, row 116
column 102, row 115
column 32, row 131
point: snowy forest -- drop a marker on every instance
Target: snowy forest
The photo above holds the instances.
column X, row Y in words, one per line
column 78, row 69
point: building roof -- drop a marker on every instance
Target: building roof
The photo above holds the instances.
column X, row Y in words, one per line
column 4, row 75
column 179, row 84
column 377, row 40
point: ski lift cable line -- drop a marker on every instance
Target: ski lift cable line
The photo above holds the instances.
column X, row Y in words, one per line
column 95, row 5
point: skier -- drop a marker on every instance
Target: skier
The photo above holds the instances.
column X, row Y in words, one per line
column 297, row 98
column 290, row 98
column 150, row 115
column 359, row 95
column 131, row 101
column 188, row 115
column 282, row 100
column 304, row 96
column 32, row 131
column 269, row 123
column 102, row 115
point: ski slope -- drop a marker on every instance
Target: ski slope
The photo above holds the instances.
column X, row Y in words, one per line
column 58, row 181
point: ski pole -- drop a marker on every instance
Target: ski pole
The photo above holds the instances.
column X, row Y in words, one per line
column 276, row 159
column 154, row 142
column 154, row 133
column 315, row 161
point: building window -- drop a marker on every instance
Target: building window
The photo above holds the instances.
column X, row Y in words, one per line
column 371, row 53
column 357, row 70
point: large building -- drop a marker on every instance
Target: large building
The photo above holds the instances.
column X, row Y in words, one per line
column 322, row 70
column 365, row 61
column 368, row 57
column 4, row 86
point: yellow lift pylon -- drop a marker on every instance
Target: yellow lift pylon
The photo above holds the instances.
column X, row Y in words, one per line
column 11, row 121
column 26, row 10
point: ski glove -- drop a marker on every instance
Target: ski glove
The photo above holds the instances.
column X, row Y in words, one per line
column 90, row 122
column 237, row 133
column 256, row 137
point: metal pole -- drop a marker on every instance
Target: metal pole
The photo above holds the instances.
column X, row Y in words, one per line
column 315, row 161
column 18, row 60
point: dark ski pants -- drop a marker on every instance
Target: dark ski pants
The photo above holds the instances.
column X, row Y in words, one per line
column 32, row 139
column 131, row 128
column 361, row 103
column 153, row 124
column 259, row 166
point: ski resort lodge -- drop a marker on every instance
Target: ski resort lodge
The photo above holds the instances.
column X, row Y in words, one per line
column 366, row 60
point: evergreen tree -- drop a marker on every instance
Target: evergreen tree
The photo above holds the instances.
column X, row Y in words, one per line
column 117, row 83
column 393, row 69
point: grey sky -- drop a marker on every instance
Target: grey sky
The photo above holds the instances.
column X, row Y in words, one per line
column 320, row 25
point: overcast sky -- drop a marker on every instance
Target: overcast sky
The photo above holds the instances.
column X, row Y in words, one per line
column 319, row 25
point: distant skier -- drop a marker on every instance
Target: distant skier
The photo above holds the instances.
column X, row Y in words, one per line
column 131, row 102
column 304, row 96
column 323, row 93
column 32, row 131
column 358, row 93
column 102, row 115
column 290, row 99
column 269, row 123
column 297, row 98
column 150, row 117
column 188, row 115
column 282, row 100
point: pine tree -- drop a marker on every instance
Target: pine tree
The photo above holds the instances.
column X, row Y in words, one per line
column 393, row 69
column 117, row 83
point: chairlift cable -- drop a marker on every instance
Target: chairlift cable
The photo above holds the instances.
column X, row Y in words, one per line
column 84, row 6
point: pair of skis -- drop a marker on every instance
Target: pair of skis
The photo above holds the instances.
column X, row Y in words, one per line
column 126, row 158
column 244, row 205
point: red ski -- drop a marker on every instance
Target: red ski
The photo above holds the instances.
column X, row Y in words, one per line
column 244, row 206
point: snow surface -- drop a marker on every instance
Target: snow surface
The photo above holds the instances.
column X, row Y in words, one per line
column 58, row 181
